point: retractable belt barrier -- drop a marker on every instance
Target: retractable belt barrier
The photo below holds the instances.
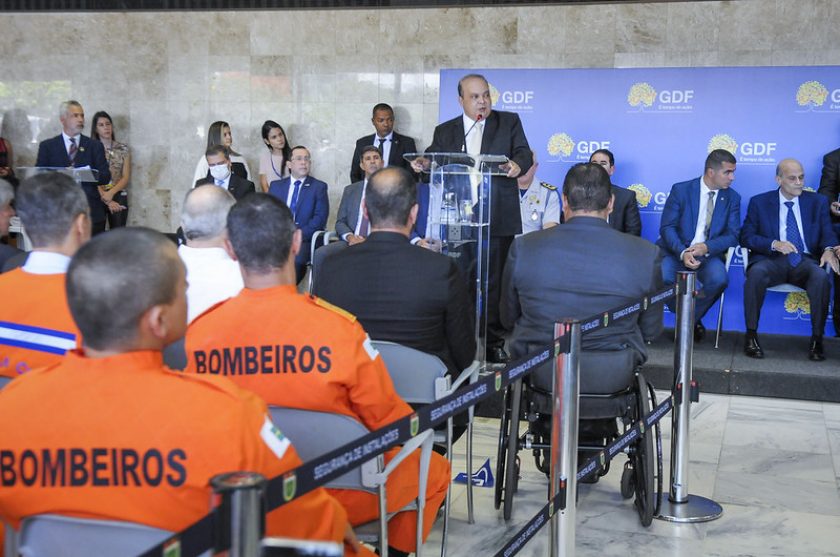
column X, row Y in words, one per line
column 201, row 536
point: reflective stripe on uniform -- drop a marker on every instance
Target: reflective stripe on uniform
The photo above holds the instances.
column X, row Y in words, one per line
column 36, row 338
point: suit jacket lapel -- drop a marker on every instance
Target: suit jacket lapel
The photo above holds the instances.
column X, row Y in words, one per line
column 394, row 156
column 694, row 199
column 720, row 211
column 773, row 207
column 489, row 132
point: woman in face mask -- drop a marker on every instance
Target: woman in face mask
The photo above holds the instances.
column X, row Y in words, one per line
column 220, row 134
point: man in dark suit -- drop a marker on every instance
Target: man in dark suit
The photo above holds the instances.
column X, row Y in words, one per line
column 700, row 222
column 218, row 159
column 625, row 215
column 551, row 274
column 830, row 187
column 392, row 145
column 351, row 224
column 481, row 130
column 786, row 230
column 399, row 292
column 72, row 149
column 308, row 200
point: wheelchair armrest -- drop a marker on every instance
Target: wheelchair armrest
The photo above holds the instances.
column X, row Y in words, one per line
column 469, row 374
column 373, row 480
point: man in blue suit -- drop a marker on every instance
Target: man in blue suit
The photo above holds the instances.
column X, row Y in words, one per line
column 786, row 231
column 72, row 149
column 308, row 200
column 700, row 221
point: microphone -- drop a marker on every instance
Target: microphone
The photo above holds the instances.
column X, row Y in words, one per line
column 478, row 119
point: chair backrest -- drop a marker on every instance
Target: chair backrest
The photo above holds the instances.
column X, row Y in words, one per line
column 48, row 535
column 606, row 371
column 316, row 433
column 4, row 381
column 175, row 355
column 418, row 377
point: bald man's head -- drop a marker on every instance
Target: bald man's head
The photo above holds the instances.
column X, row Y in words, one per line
column 205, row 211
column 391, row 193
column 116, row 278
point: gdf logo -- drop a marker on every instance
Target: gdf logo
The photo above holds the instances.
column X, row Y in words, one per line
column 564, row 148
column 517, row 97
column 748, row 152
column 643, row 95
column 512, row 100
column 589, row 147
column 676, row 97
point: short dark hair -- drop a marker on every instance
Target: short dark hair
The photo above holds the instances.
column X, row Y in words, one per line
column 296, row 147
column 717, row 157
column 260, row 229
column 368, row 149
column 605, row 152
column 587, row 187
column 470, row 76
column 381, row 106
column 47, row 205
column 95, row 134
column 391, row 193
column 214, row 150
column 143, row 270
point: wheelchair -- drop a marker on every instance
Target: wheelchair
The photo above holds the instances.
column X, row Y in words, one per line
column 614, row 397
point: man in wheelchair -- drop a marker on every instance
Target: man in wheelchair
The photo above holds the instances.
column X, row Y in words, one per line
column 577, row 270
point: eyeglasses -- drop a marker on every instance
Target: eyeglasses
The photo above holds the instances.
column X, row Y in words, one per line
column 300, row 159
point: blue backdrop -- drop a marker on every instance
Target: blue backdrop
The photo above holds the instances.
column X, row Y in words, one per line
column 661, row 123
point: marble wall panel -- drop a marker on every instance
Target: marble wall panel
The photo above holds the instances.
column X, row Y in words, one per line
column 165, row 77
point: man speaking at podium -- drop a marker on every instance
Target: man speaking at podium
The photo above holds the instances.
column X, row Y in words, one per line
column 72, row 149
column 481, row 130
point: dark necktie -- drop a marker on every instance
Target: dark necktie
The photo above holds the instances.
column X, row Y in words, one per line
column 381, row 146
column 793, row 236
column 293, row 204
column 73, row 150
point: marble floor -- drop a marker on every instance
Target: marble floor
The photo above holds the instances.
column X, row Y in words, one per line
column 773, row 465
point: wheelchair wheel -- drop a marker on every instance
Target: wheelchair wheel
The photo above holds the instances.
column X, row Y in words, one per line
column 501, row 450
column 644, row 458
column 628, row 480
column 658, row 433
column 511, row 467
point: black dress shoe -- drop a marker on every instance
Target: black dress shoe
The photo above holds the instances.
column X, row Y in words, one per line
column 815, row 350
column 497, row 355
column 751, row 346
column 699, row 332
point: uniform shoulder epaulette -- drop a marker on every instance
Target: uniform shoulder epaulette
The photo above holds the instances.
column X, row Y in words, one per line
column 326, row 305
column 548, row 186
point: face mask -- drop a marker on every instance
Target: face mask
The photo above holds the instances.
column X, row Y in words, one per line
column 220, row 171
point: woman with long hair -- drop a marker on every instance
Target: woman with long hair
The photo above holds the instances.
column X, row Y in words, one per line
column 220, row 134
column 113, row 195
column 273, row 161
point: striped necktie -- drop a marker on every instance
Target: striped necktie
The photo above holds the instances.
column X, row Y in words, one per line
column 794, row 258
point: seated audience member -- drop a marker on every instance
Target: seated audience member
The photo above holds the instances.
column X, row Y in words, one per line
column 352, row 224
column 219, row 134
column 625, row 215
column 390, row 144
column 539, row 202
column 55, row 213
column 830, row 188
column 400, row 292
column 551, row 274
column 218, row 160
column 308, row 200
column 212, row 276
column 314, row 356
column 789, row 235
column 273, row 161
column 117, row 400
column 700, row 222
column 7, row 195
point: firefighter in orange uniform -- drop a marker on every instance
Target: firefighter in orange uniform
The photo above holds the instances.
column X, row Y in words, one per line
column 129, row 439
column 298, row 351
column 36, row 328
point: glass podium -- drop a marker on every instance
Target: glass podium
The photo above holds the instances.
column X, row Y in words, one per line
column 458, row 220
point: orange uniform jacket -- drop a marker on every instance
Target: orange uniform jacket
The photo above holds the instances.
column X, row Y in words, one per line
column 125, row 438
column 300, row 352
column 36, row 327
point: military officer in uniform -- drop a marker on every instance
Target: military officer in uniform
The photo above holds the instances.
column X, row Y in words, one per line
column 539, row 202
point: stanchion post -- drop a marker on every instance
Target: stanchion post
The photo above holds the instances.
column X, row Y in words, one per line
column 241, row 506
column 564, row 437
column 680, row 506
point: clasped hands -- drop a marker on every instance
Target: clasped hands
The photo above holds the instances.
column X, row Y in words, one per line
column 692, row 254
column 829, row 256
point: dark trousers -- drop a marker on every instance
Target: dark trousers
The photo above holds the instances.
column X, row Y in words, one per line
column 776, row 270
column 836, row 309
column 97, row 227
column 499, row 247
column 116, row 220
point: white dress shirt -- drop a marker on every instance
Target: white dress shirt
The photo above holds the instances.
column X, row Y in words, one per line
column 212, row 276
column 783, row 211
column 700, row 230
column 473, row 138
column 77, row 137
column 291, row 193
column 46, row 263
column 386, row 147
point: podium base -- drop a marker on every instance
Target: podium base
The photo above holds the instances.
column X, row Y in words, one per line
column 695, row 509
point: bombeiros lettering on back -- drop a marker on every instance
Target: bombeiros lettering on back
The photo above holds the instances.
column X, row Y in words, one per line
column 266, row 359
